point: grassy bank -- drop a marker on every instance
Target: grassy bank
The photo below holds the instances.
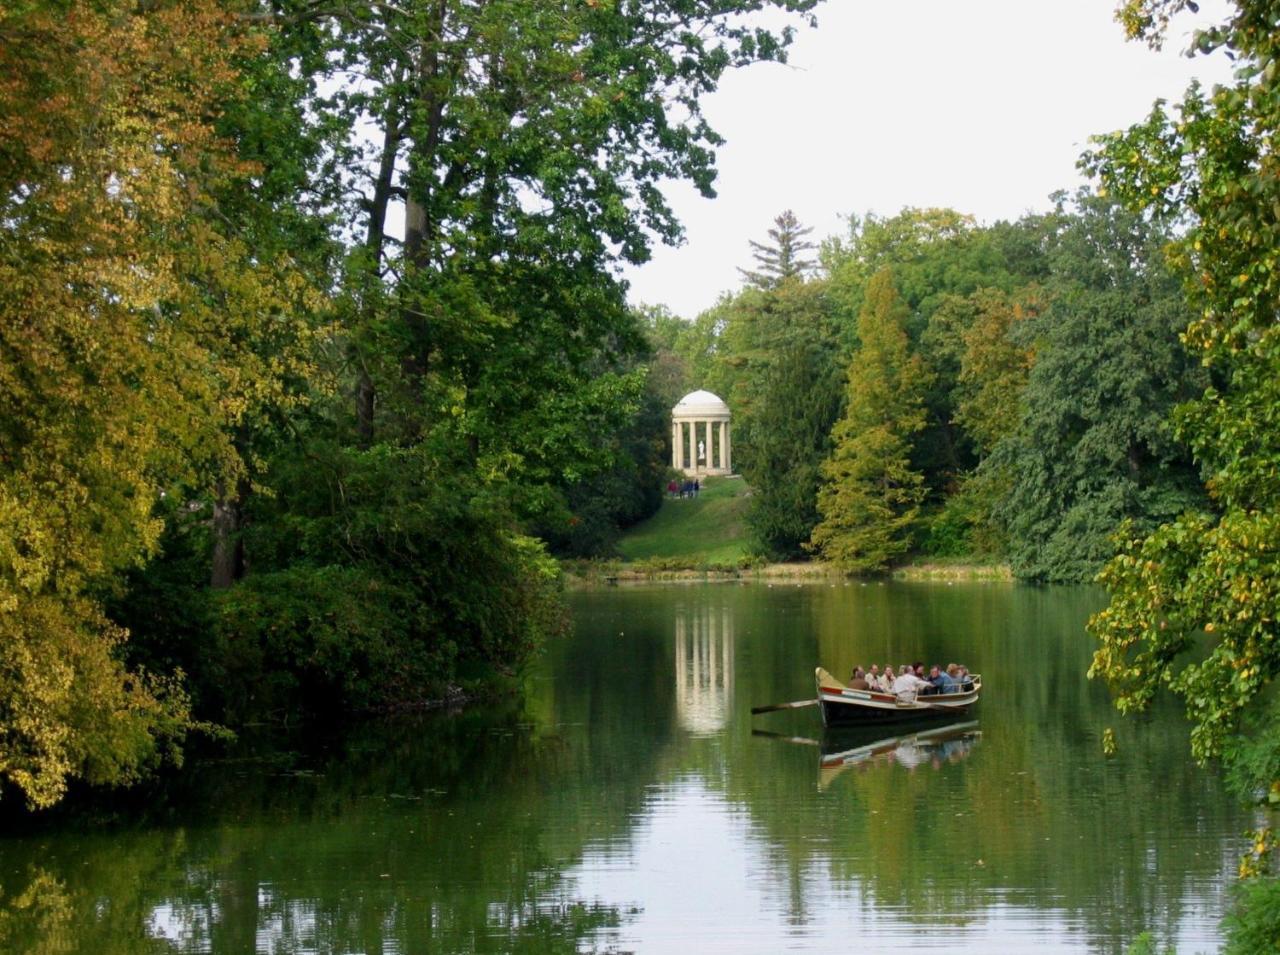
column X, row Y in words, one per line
column 706, row 538
column 590, row 573
column 952, row 569
column 709, row 530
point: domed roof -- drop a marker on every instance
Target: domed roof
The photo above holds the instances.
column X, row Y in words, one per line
column 697, row 403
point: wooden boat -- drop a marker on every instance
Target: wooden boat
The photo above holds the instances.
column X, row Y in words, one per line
column 843, row 706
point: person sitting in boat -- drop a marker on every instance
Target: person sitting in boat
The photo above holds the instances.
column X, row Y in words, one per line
column 963, row 678
column 859, row 680
column 886, row 681
column 873, row 676
column 953, row 671
column 907, row 685
column 941, row 681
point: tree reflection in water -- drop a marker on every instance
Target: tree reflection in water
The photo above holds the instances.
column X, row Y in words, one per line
column 624, row 803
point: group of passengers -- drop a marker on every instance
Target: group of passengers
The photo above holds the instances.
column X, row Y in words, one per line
column 910, row 680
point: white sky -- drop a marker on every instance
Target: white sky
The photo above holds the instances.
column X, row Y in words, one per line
column 983, row 106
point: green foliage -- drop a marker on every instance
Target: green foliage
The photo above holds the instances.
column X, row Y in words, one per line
column 317, row 638
column 783, row 447
column 870, row 498
column 780, row 356
column 178, row 184
column 349, row 639
column 869, row 504
column 1211, row 573
column 1094, row 445
column 934, row 254
column 964, row 526
column 994, row 367
column 588, row 513
column 940, row 258
column 135, row 326
column 371, row 589
column 1252, row 757
column 1252, row 924
column 1206, row 586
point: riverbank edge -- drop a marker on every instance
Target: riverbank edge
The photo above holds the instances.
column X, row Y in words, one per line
column 588, row 574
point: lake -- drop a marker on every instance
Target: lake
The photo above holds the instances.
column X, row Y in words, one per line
column 629, row 802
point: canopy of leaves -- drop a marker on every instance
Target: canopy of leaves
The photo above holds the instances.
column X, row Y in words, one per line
column 1094, row 445
column 1208, row 581
column 939, row 258
column 372, row 421
column 124, row 358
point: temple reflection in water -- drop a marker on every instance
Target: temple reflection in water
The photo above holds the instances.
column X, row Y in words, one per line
column 704, row 668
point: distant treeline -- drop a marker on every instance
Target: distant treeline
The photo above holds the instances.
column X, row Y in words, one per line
column 927, row 386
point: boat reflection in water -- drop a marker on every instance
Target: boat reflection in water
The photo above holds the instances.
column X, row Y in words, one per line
column 931, row 747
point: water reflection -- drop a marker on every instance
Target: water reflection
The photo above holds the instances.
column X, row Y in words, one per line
column 616, row 808
column 704, row 668
column 932, row 746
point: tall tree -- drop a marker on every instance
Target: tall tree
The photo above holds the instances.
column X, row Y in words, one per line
column 939, row 258
column 482, row 376
column 870, row 496
column 1094, row 445
column 783, row 256
column 130, row 308
column 777, row 360
column 975, row 350
column 1194, row 603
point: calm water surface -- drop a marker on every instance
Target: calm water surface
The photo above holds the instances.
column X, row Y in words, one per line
column 631, row 803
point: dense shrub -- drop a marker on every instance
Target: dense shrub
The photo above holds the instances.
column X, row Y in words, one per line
column 1252, row 924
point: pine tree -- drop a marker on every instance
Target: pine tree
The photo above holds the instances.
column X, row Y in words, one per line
column 871, row 496
column 782, row 257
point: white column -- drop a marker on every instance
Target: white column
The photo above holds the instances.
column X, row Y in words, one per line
column 728, row 457
column 693, row 446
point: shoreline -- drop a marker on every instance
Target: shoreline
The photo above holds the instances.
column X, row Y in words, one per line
column 583, row 575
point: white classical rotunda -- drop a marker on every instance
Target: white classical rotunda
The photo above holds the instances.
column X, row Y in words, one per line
column 700, row 442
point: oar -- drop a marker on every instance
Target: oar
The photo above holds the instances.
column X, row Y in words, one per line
column 802, row 740
column 795, row 705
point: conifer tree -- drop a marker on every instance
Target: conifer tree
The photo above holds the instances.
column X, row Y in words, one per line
column 871, row 495
column 782, row 257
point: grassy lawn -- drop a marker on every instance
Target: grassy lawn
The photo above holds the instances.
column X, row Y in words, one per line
column 711, row 527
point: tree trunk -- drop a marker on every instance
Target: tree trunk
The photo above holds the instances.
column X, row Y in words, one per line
column 375, row 238
column 419, row 227
column 228, row 543
column 365, row 398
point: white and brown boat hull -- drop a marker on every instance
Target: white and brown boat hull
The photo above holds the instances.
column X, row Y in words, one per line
column 842, row 706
